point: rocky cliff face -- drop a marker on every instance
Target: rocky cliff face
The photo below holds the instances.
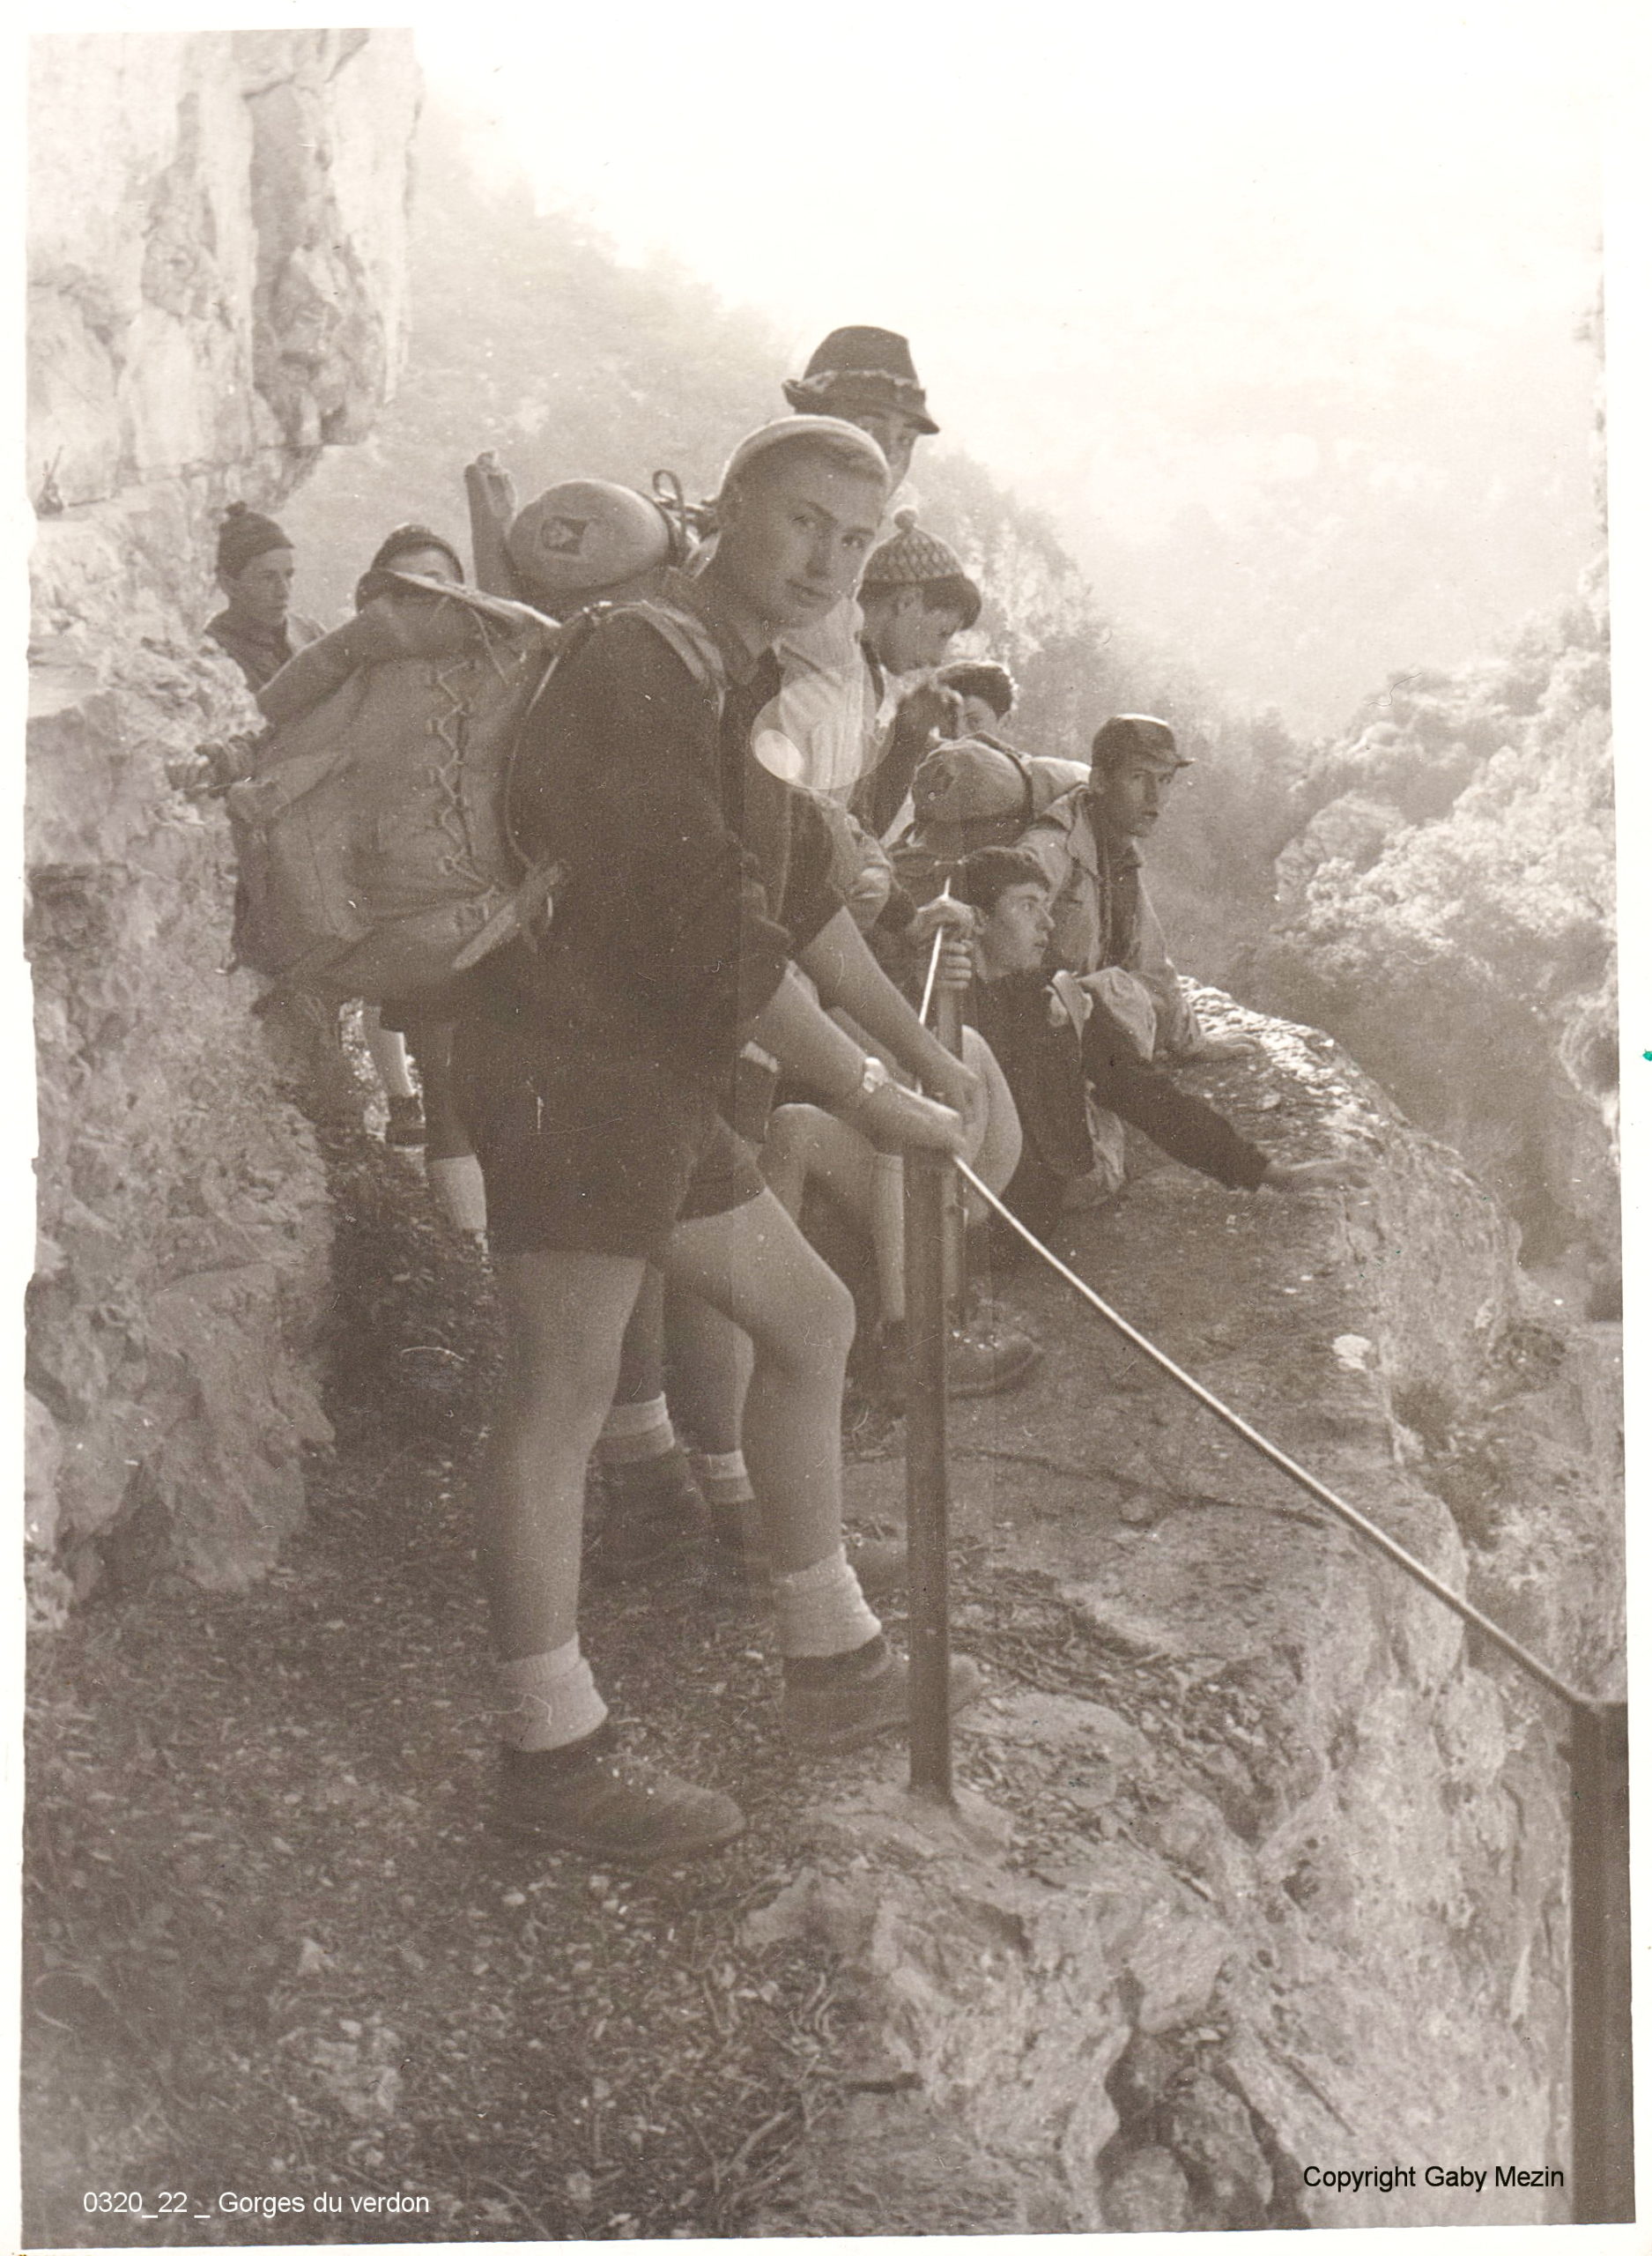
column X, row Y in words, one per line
column 216, row 235
column 1267, row 1871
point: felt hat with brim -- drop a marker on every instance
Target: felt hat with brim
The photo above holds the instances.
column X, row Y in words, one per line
column 1137, row 736
column 862, row 367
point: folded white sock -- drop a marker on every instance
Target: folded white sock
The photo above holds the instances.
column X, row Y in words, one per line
column 724, row 1480
column 634, row 1431
column 456, row 1186
column 819, row 1610
column 550, row 1699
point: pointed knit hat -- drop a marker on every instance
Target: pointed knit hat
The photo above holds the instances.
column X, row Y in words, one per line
column 910, row 557
column 243, row 535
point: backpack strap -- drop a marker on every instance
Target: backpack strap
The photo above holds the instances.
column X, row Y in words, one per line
column 692, row 642
column 691, row 639
column 1023, row 769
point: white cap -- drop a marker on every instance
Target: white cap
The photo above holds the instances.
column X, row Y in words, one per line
column 803, row 426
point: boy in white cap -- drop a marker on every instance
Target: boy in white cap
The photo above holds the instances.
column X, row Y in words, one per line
column 590, row 1073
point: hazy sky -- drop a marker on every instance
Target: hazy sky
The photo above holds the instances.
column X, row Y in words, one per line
column 1041, row 195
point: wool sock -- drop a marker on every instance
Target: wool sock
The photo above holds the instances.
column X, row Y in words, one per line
column 819, row 1610
column 634, row 1431
column 550, row 1699
column 724, row 1482
column 456, row 1186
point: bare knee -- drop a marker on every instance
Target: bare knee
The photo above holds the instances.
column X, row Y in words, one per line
column 812, row 1326
column 789, row 1127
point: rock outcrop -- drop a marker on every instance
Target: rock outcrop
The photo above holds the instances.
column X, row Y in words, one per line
column 1264, row 1869
column 216, row 261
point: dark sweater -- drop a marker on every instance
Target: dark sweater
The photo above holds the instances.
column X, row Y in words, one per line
column 1047, row 1068
column 692, row 874
column 259, row 651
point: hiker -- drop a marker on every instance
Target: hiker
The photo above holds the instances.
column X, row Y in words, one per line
column 915, row 596
column 255, row 566
column 581, row 541
column 986, row 694
column 824, row 725
column 451, row 1167
column 800, row 1143
column 865, row 376
column 1060, row 1044
column 807, row 1144
column 1088, row 843
column 257, row 628
column 590, row 1070
column 395, row 1029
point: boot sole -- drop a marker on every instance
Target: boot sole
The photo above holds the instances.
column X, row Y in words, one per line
column 846, row 1739
column 602, row 1852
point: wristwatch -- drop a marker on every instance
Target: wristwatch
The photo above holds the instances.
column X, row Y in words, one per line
column 874, row 1076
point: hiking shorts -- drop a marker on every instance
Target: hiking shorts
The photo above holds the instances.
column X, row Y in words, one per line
column 583, row 1151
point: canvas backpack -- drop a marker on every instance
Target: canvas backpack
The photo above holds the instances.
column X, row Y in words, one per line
column 375, row 855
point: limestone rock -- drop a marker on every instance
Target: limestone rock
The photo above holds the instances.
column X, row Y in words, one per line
column 1147, row 2192
column 1229, row 1717
column 216, row 237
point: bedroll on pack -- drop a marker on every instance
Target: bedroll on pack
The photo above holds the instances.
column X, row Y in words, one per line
column 970, row 794
column 375, row 849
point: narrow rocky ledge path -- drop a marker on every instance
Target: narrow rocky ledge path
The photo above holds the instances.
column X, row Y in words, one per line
column 1252, row 1871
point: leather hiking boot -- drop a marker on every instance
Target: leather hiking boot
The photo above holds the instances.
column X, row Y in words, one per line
column 603, row 1804
column 828, row 1706
column 654, row 1518
column 406, row 1126
column 982, row 1359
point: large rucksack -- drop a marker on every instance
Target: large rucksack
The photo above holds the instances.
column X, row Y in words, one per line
column 374, row 840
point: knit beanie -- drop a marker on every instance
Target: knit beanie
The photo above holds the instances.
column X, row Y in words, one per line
column 244, row 535
column 911, row 558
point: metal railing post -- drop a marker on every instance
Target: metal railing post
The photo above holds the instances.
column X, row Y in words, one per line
column 926, row 1174
column 949, row 1028
column 1603, row 2084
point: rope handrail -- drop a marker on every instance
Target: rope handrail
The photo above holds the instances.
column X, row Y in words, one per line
column 1367, row 1529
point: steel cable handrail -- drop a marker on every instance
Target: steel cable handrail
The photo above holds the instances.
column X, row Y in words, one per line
column 1365, row 1528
